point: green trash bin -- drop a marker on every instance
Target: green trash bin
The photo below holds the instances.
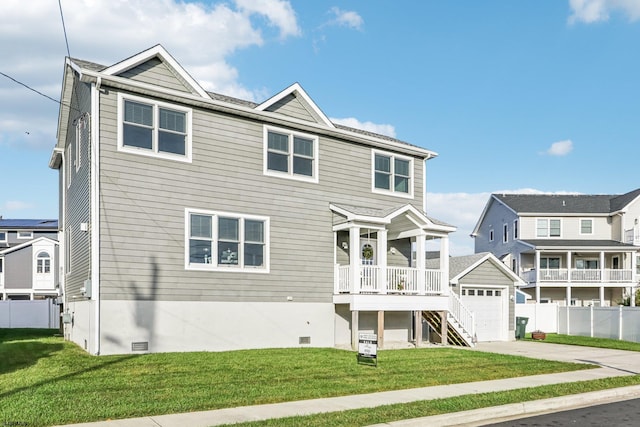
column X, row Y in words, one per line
column 521, row 327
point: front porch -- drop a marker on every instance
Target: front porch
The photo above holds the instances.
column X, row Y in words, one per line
column 375, row 279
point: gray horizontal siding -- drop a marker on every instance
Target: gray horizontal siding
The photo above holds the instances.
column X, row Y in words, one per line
column 142, row 202
column 18, row 269
column 291, row 106
column 157, row 73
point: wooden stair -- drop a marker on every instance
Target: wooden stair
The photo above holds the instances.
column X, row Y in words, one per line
column 454, row 337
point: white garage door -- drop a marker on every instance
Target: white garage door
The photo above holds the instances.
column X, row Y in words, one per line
column 489, row 305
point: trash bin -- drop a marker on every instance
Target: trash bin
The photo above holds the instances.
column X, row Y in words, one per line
column 521, row 327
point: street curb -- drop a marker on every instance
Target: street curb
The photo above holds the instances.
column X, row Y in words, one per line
column 519, row 410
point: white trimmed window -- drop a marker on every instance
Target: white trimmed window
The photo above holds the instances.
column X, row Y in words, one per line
column 290, row 154
column 491, row 235
column 3, row 236
column 25, row 235
column 548, row 227
column 515, row 229
column 226, row 241
column 81, row 131
column 586, row 226
column 505, row 233
column 392, row 173
column 43, row 263
column 153, row 128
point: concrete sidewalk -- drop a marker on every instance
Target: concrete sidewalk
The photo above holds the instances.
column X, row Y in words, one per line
column 613, row 363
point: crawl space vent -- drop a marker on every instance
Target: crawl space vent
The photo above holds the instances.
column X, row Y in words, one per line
column 304, row 340
column 140, row 346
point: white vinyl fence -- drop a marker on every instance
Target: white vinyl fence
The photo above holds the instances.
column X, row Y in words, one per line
column 29, row 314
column 620, row 323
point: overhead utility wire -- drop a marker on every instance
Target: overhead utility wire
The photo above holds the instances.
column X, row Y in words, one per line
column 64, row 28
column 32, row 89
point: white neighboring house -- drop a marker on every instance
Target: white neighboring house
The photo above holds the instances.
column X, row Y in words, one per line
column 579, row 250
column 29, row 267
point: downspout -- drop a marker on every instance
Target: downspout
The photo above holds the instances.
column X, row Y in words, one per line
column 95, row 214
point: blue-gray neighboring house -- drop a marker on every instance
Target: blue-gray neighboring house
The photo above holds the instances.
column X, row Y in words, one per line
column 29, row 259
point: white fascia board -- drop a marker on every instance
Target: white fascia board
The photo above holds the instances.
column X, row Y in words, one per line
column 161, row 52
column 474, row 233
column 29, row 243
column 296, row 88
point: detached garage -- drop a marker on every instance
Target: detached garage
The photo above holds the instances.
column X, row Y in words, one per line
column 487, row 288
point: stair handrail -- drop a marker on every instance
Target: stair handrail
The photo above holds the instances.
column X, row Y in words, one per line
column 462, row 314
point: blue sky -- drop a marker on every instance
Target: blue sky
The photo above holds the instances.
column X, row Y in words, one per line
column 535, row 96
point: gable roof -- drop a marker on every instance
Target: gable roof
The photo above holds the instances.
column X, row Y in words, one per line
column 297, row 91
column 385, row 216
column 460, row 266
column 27, row 244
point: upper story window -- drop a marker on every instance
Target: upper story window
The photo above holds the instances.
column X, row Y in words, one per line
column 515, row 229
column 81, row 133
column 154, row 128
column 505, row 233
column 548, row 227
column 43, row 263
column 224, row 241
column 290, row 154
column 3, row 236
column 392, row 174
column 1, row 260
column 491, row 235
column 25, row 235
column 586, row 226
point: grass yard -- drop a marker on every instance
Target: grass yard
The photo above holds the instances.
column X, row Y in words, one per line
column 590, row 342
column 45, row 380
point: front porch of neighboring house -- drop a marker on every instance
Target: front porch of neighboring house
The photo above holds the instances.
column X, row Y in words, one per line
column 381, row 274
column 581, row 277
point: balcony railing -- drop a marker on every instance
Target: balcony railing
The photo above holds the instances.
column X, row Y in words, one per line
column 607, row 275
column 632, row 236
column 397, row 280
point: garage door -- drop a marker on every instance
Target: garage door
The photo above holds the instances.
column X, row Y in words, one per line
column 489, row 305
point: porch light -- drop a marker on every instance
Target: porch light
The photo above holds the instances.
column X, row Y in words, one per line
column 345, row 245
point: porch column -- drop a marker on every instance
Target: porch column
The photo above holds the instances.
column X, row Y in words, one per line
column 381, row 329
column 354, row 259
column 417, row 328
column 420, row 262
column 444, row 265
column 355, row 316
column 569, row 266
column 634, row 279
column 568, row 295
column 602, row 276
column 382, row 261
column 538, row 275
column 601, row 296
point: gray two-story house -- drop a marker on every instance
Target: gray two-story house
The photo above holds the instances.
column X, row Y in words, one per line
column 196, row 221
column 572, row 249
column 29, row 267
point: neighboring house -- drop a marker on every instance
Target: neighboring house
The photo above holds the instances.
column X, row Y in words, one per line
column 572, row 249
column 487, row 290
column 196, row 221
column 28, row 259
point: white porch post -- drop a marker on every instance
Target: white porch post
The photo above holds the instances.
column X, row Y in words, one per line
column 354, row 259
column 634, row 279
column 444, row 264
column 602, row 276
column 382, row 261
column 568, row 295
column 569, row 266
column 420, row 262
column 601, row 296
column 538, row 275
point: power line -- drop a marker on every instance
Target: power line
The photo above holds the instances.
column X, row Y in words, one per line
column 64, row 28
column 30, row 88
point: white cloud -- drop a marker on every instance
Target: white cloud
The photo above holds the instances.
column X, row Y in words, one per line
column 560, row 148
column 16, row 205
column 589, row 11
column 346, row 18
column 201, row 37
column 382, row 129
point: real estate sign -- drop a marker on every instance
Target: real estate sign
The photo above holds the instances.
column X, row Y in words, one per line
column 368, row 348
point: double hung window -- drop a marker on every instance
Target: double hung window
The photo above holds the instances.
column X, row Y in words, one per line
column 586, row 226
column 548, row 227
column 392, row 173
column 290, row 154
column 3, row 236
column 218, row 240
column 152, row 128
column 43, row 263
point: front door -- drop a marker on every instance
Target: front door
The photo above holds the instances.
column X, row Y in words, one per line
column 368, row 252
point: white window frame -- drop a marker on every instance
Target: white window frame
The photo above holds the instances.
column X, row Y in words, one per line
column 153, row 152
column 515, row 229
column 548, row 228
column 392, row 157
column 81, row 128
column 291, row 134
column 6, row 236
column 580, row 226
column 491, row 235
column 44, row 264
column 213, row 265
column 19, row 234
column 505, row 233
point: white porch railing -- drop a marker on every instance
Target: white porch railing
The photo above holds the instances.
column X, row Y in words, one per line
column 462, row 314
column 579, row 275
column 632, row 236
column 403, row 280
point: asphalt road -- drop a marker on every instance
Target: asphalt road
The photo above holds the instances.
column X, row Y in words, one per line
column 624, row 413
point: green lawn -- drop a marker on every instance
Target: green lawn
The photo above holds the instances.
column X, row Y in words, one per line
column 590, row 342
column 45, row 380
